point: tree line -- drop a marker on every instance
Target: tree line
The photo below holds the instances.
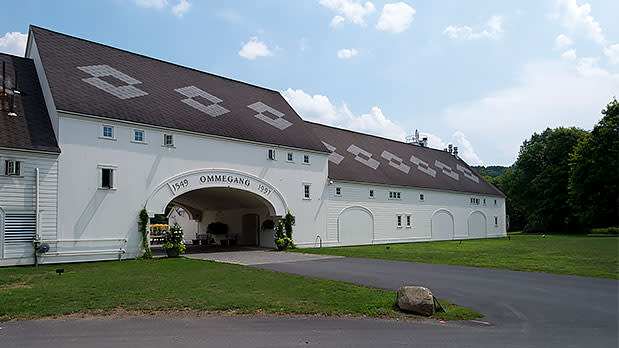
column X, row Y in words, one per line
column 565, row 179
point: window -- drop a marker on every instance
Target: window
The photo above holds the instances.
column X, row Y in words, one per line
column 408, row 221
column 107, row 178
column 306, row 191
column 306, row 159
column 168, row 140
column 399, row 221
column 371, row 193
column 495, row 202
column 484, row 201
column 290, row 157
column 496, row 220
column 12, row 167
column 107, row 132
column 395, row 195
column 474, row 201
column 338, row 191
column 138, row 136
column 421, row 197
column 271, row 154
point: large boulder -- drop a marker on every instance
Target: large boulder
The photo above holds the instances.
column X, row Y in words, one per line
column 416, row 299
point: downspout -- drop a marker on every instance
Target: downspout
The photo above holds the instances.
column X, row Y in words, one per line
column 37, row 236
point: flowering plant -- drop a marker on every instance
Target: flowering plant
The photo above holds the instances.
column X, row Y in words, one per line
column 174, row 239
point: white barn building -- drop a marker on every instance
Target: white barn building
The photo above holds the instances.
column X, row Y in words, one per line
column 101, row 133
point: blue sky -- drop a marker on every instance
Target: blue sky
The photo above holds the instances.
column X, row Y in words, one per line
column 483, row 75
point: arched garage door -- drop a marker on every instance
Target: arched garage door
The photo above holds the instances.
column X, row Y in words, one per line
column 355, row 226
column 442, row 225
column 477, row 225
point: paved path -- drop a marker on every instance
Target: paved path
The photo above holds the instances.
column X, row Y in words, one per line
column 522, row 310
column 253, row 257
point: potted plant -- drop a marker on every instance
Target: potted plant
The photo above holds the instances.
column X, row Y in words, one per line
column 174, row 245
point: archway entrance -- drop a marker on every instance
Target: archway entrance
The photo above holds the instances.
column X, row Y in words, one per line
column 240, row 211
column 238, row 201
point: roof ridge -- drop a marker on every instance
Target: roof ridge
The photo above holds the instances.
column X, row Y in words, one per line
column 370, row 135
column 153, row 58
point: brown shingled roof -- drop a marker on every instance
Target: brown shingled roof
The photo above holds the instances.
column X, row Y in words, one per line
column 93, row 79
column 359, row 157
column 31, row 129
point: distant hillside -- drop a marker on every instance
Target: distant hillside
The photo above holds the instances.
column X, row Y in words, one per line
column 490, row 171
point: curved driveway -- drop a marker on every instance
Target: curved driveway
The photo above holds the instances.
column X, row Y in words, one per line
column 522, row 310
column 537, row 308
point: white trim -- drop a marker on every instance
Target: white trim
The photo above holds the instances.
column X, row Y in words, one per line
column 165, row 129
column 309, row 191
column 336, row 193
column 102, row 132
column 114, row 169
column 398, row 221
column 132, row 136
column 309, row 159
column 408, row 221
column 290, row 157
column 2, row 216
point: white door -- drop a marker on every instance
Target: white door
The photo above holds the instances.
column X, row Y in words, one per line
column 477, row 225
column 442, row 225
column 355, row 226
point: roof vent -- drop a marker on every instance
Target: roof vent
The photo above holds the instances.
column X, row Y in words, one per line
column 416, row 140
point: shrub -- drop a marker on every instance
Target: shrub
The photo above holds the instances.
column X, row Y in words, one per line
column 174, row 239
column 608, row 230
column 283, row 232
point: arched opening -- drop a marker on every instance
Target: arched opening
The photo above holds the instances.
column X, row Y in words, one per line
column 239, row 200
column 355, row 226
column 442, row 225
column 477, row 225
column 242, row 212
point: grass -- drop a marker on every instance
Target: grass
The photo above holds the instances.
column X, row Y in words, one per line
column 592, row 256
column 187, row 285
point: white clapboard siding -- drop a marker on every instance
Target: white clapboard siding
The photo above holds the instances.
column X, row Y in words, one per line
column 18, row 204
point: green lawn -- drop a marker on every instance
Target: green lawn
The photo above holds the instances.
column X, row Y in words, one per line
column 593, row 256
column 186, row 284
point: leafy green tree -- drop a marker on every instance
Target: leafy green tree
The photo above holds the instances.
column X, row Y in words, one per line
column 594, row 172
column 508, row 184
column 541, row 180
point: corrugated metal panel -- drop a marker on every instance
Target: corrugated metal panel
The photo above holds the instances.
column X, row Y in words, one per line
column 19, row 227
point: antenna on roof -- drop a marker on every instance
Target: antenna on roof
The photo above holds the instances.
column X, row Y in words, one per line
column 456, row 151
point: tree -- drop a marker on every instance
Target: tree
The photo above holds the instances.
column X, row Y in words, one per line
column 507, row 183
column 541, row 180
column 594, row 172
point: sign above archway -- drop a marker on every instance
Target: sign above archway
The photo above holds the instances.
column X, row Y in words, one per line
column 208, row 178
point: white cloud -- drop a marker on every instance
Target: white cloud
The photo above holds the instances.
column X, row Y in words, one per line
column 465, row 149
column 612, row 52
column 337, row 20
column 352, row 10
column 318, row 108
column 569, row 54
column 395, row 17
column 13, row 43
column 578, row 19
column 158, row 4
column 548, row 94
column 254, row 48
column 181, row 8
column 562, row 42
column 493, row 30
column 346, row 53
